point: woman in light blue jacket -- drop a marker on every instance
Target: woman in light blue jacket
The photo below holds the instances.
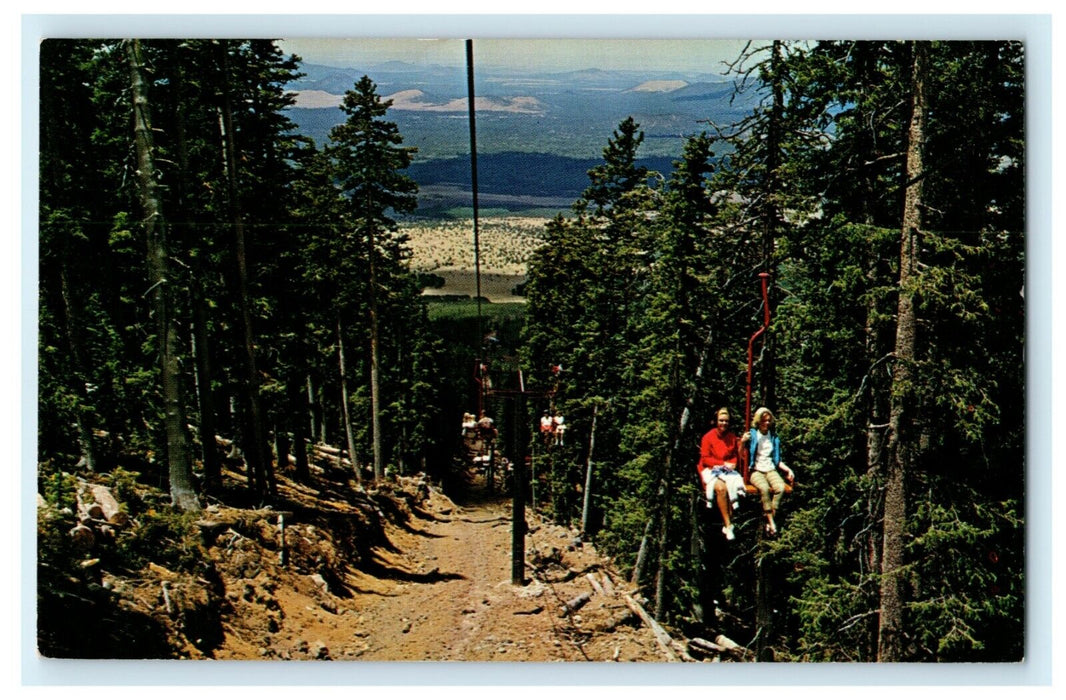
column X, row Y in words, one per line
column 764, row 458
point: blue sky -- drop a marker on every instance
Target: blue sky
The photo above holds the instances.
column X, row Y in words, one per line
column 699, row 55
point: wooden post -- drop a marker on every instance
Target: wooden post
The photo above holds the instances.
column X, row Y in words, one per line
column 518, row 518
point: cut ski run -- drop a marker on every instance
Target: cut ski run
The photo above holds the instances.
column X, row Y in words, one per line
column 437, row 586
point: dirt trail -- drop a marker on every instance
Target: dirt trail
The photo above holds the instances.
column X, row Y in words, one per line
column 397, row 571
column 407, row 574
column 451, row 596
column 439, row 589
column 447, row 595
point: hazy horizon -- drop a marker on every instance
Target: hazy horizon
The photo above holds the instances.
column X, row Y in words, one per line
column 521, row 55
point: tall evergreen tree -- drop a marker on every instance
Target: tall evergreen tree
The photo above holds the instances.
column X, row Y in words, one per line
column 902, row 441
column 368, row 160
column 179, row 461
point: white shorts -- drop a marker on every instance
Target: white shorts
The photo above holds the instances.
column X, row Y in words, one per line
column 734, row 483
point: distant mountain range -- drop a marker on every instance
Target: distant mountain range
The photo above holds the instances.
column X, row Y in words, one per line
column 539, row 131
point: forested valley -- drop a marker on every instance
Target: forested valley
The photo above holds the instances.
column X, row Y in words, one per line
column 228, row 316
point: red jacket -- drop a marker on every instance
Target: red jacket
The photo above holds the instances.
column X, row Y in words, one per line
column 716, row 449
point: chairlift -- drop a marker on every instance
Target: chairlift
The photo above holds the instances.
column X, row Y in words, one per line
column 745, row 461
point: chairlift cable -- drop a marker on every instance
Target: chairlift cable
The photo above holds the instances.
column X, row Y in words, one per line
column 479, row 340
column 473, row 177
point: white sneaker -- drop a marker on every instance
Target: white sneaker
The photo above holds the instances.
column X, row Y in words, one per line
column 728, row 532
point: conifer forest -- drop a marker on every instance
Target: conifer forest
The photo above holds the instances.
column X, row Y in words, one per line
column 221, row 299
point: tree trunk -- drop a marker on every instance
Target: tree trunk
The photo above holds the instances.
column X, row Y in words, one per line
column 877, row 337
column 311, row 407
column 200, row 346
column 205, row 396
column 344, row 404
column 298, row 397
column 375, row 342
column 900, row 441
column 772, row 218
column 642, row 554
column 660, row 573
column 82, row 414
column 179, row 463
column 299, row 451
column 256, row 452
column 675, row 444
column 764, row 618
column 771, row 221
column 284, row 443
column 586, row 503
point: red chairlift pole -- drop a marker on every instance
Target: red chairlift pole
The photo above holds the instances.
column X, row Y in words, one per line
column 763, row 279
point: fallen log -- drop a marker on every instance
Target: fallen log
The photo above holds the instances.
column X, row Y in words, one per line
column 332, row 454
column 703, row 648
column 620, row 618
column 167, row 601
column 574, row 604
column 112, row 511
column 162, row 572
column 83, row 536
column 608, row 586
column 733, row 648
column 595, row 584
column 681, row 651
column 661, row 636
column 96, row 503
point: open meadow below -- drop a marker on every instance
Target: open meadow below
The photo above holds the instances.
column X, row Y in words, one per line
column 497, row 288
column 446, row 248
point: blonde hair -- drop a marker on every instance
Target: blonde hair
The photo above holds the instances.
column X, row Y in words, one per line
column 758, row 416
column 722, row 410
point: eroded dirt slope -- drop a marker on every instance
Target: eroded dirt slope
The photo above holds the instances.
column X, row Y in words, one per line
column 438, row 587
column 338, row 570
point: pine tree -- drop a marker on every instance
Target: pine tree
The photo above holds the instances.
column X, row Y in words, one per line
column 368, row 159
column 179, row 462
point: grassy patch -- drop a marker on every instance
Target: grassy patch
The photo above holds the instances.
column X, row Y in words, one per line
column 467, row 308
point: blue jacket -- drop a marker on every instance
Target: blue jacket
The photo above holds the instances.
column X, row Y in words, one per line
column 753, row 440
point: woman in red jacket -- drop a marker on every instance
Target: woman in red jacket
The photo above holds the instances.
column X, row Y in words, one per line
column 722, row 483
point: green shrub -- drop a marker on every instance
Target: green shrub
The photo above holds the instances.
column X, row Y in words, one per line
column 166, row 537
column 57, row 487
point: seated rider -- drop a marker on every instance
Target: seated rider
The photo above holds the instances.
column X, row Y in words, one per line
column 559, row 428
column 764, row 448
column 486, row 428
column 717, row 469
column 547, row 425
column 469, row 423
